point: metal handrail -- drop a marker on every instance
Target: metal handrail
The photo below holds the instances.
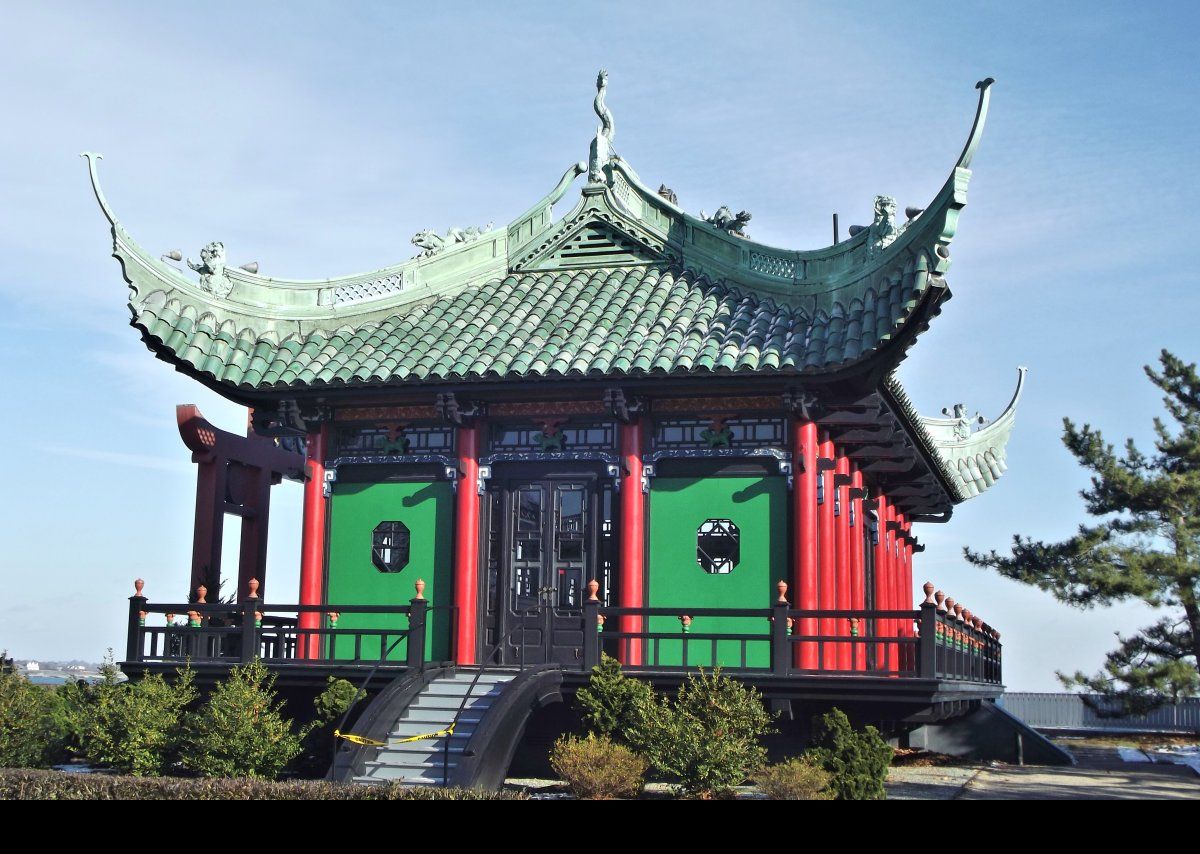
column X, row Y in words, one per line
column 471, row 689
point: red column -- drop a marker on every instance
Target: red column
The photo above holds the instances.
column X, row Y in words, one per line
column 845, row 600
column 312, row 543
column 631, row 582
column 883, row 593
column 804, row 534
column 893, row 588
column 466, row 544
column 827, row 553
column 858, row 576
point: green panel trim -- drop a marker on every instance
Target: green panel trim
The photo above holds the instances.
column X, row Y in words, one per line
column 427, row 508
column 678, row 506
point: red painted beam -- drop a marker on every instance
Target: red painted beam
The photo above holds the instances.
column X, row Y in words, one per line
column 804, row 534
column 312, row 543
column 845, row 599
column 631, row 567
column 466, row 544
column 827, row 554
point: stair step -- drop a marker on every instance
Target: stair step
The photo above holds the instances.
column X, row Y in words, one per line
column 418, row 765
column 484, row 679
column 398, row 774
column 407, row 755
column 459, row 689
column 404, row 781
column 408, row 729
column 450, row 704
column 438, row 718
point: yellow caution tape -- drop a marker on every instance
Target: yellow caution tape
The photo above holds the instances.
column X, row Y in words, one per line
column 438, row 734
column 358, row 739
column 370, row 742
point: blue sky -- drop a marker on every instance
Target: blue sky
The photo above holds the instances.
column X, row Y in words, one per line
column 316, row 138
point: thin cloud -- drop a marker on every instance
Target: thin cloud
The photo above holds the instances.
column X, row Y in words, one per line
column 141, row 461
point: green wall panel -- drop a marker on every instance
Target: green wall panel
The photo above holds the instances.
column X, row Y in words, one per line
column 678, row 506
column 427, row 508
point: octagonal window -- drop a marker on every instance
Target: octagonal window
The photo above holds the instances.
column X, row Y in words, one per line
column 389, row 546
column 717, row 549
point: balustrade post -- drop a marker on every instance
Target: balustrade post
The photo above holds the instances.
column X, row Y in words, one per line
column 781, row 647
column 927, row 649
column 249, row 614
column 591, row 626
column 416, row 627
column 137, row 604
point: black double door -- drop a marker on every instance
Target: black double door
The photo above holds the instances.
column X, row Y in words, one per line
column 543, row 545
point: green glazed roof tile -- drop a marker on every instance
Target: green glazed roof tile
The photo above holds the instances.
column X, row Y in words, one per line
column 587, row 322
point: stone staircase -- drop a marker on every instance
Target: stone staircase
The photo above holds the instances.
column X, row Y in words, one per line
column 423, row 763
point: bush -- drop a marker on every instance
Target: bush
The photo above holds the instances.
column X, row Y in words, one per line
column 595, row 767
column 797, row 779
column 614, row 705
column 318, row 746
column 857, row 761
column 332, row 703
column 56, row 785
column 33, row 729
column 240, row 731
column 132, row 726
column 708, row 736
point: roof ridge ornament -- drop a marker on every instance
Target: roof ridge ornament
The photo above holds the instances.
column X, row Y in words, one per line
column 602, row 150
column 985, row 93
column 94, row 175
column 212, row 270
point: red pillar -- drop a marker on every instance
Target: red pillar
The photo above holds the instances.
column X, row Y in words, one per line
column 827, row 553
column 312, row 543
column 845, row 600
column 893, row 588
column 631, row 583
column 804, row 534
column 858, row 572
column 466, row 544
column 883, row 597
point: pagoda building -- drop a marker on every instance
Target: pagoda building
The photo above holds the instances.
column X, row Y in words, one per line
column 609, row 426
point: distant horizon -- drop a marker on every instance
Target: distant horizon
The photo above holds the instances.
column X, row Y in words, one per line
column 316, row 139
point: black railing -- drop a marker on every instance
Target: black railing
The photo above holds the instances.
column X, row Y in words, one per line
column 932, row 642
column 238, row 633
column 925, row 643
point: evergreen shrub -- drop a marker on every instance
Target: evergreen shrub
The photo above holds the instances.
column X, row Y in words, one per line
column 597, row 768
column 132, row 726
column 33, row 728
column 798, row 779
column 240, row 731
column 857, row 761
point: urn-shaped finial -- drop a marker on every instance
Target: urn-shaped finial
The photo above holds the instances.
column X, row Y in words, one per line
column 419, row 586
column 940, row 598
column 928, row 588
column 252, row 584
column 782, row 587
column 201, row 593
column 593, row 587
column 138, row 584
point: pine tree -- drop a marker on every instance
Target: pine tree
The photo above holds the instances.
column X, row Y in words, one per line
column 1145, row 547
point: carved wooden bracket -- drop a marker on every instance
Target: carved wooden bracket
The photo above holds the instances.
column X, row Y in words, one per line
column 287, row 419
column 803, row 405
column 458, row 412
column 624, row 408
